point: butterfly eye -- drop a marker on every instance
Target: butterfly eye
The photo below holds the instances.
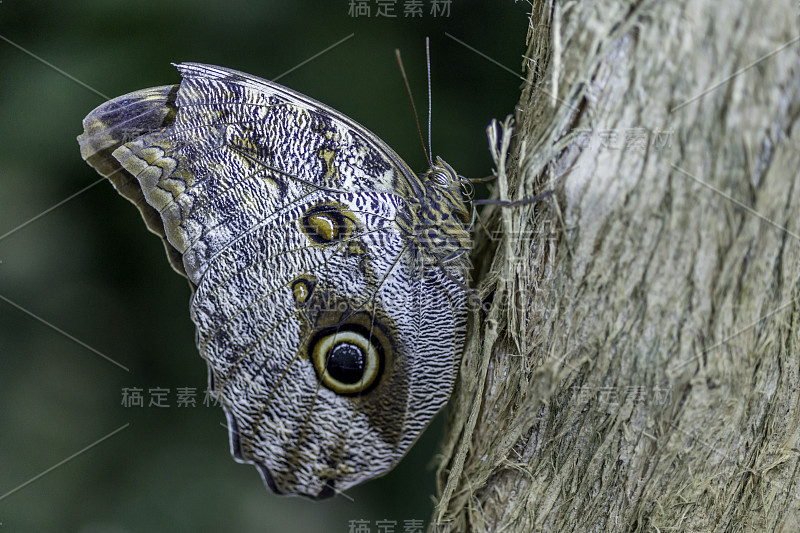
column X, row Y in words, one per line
column 347, row 362
column 440, row 177
column 325, row 224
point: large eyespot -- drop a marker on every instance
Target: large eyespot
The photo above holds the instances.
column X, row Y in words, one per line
column 327, row 223
column 347, row 361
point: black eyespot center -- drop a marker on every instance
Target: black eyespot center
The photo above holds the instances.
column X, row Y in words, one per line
column 346, row 362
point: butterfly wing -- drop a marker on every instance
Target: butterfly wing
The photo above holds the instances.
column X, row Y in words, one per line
column 330, row 341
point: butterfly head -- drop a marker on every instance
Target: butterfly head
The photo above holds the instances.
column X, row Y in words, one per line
column 442, row 174
column 437, row 216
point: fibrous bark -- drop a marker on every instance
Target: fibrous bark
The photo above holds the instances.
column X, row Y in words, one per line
column 635, row 364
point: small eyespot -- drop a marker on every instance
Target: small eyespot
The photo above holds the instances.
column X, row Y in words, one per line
column 325, row 224
column 302, row 288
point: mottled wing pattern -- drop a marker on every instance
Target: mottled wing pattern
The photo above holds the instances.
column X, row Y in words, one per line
column 331, row 336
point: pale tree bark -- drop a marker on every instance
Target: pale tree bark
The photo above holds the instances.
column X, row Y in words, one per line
column 636, row 366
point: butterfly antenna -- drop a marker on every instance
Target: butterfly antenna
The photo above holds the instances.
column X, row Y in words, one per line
column 413, row 107
column 430, row 106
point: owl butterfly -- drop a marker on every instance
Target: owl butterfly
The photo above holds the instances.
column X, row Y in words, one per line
column 328, row 280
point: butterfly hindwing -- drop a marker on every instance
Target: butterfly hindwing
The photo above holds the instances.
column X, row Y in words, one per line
column 332, row 331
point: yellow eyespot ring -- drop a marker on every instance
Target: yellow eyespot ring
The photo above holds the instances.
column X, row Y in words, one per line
column 347, row 361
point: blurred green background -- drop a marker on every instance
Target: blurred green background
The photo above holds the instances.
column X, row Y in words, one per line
column 90, row 267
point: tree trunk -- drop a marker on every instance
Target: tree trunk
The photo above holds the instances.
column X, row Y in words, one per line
column 634, row 366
